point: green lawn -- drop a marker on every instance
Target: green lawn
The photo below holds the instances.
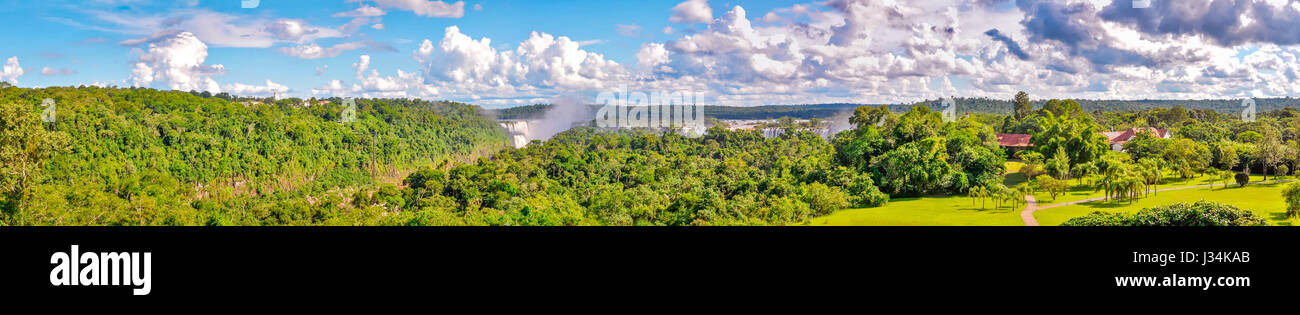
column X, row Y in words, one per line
column 1264, row 199
column 1014, row 177
column 928, row 211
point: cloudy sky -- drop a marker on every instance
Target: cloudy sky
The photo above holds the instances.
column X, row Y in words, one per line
column 737, row 52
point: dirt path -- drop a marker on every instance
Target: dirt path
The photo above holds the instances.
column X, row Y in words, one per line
column 1027, row 215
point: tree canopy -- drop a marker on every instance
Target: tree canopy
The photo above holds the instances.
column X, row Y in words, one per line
column 148, row 157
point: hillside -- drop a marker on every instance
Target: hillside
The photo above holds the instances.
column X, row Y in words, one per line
column 145, row 157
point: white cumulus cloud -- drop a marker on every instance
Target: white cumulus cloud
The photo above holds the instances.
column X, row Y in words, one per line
column 692, row 11
column 373, row 85
column 298, row 31
column 364, row 10
column 424, row 8
column 314, row 51
column 12, row 70
column 213, row 28
column 47, row 71
column 178, row 62
column 541, row 61
column 270, row 89
column 650, row 56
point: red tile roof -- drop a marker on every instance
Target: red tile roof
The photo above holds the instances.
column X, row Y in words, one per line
column 1114, row 137
column 1122, row 137
column 1014, row 140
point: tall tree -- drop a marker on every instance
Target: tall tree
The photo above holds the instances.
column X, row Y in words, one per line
column 915, row 169
column 1271, row 152
column 25, row 146
column 1084, row 170
column 978, row 193
column 1022, row 106
column 1152, row 171
column 1187, row 157
column 1078, row 135
column 917, row 124
column 1052, row 185
column 1227, row 157
column 1175, row 115
column 1059, row 164
column 865, row 116
column 1067, row 108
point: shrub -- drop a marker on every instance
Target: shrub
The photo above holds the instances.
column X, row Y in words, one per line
column 1292, row 195
column 1281, row 170
column 1051, row 185
column 1029, row 170
column 1201, row 213
column 1242, row 179
column 861, row 189
column 872, row 198
column 823, row 199
column 1098, row 218
column 786, row 209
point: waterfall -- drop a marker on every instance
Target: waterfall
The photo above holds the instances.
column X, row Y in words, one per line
column 518, row 130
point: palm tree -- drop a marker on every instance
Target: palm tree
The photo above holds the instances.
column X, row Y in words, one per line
column 1083, row 170
column 998, row 194
column 978, row 193
column 1133, row 185
column 1152, row 172
column 1023, row 190
column 1111, row 172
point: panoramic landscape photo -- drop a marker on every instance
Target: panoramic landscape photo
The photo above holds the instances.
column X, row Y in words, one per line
column 650, row 113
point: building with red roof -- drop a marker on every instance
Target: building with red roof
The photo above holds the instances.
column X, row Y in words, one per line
column 1117, row 139
column 1014, row 142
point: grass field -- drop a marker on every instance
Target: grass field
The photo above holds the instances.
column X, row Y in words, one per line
column 1013, row 176
column 1263, row 199
column 1266, row 200
column 928, row 211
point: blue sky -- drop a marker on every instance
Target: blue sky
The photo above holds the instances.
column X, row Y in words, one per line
column 731, row 52
column 49, row 40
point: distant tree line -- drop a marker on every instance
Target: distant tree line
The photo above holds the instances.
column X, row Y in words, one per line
column 766, row 112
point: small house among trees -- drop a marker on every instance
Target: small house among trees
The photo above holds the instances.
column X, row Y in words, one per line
column 1117, row 139
column 1014, row 142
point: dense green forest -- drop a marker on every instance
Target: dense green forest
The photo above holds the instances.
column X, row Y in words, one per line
column 902, row 154
column 641, row 177
column 148, row 157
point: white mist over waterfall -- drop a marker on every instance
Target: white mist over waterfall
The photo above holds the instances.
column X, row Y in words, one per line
column 565, row 112
column 838, row 123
